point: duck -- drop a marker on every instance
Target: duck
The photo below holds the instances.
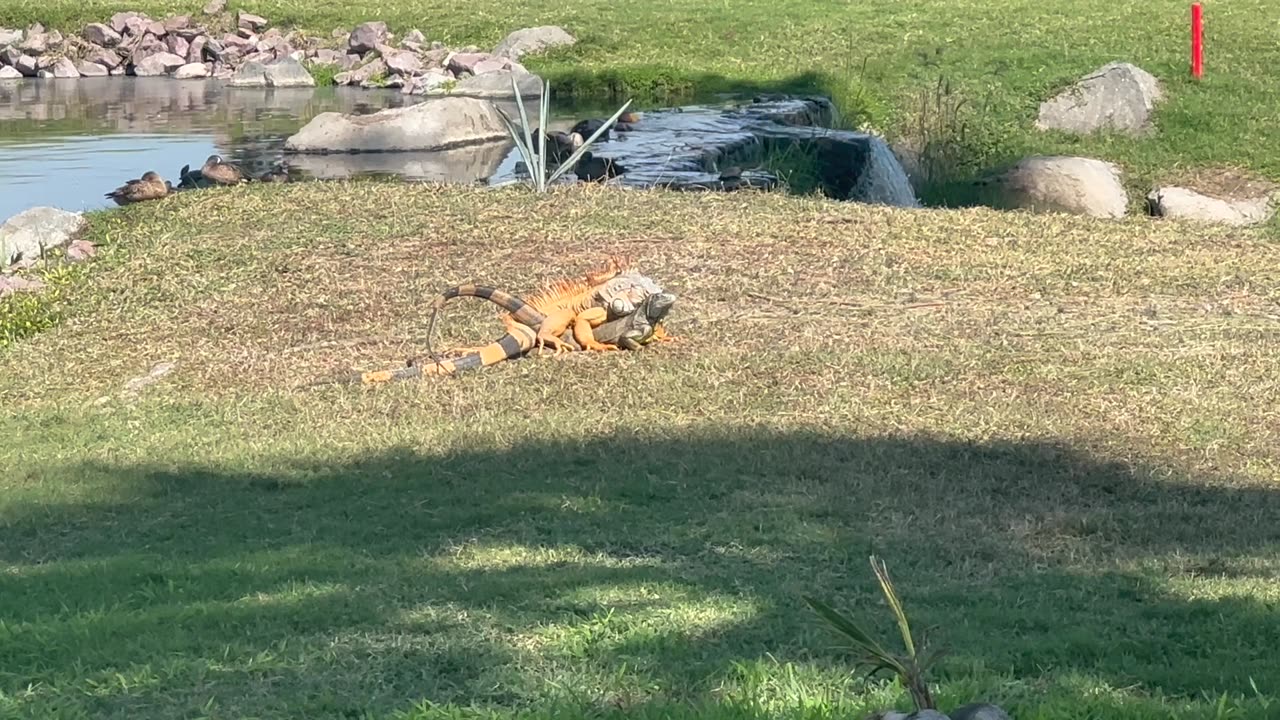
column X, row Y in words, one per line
column 189, row 179
column 591, row 168
column 148, row 187
column 586, row 128
column 221, row 172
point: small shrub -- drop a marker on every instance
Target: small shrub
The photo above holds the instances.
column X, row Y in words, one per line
column 324, row 73
column 911, row 667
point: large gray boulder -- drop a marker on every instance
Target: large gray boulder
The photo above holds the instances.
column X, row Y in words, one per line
column 8, row 73
column 434, row 124
column 1049, row 183
column 498, row 84
column 1186, row 204
column 533, row 40
column 1118, row 97
column 23, row 235
column 10, row 37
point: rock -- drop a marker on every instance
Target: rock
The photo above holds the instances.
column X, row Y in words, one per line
column 64, row 68
column 250, row 74
column 362, row 74
column 533, row 40
column 177, row 22
column 191, row 71
column 1048, row 183
column 101, row 35
column 978, row 711
column 195, row 51
column 459, row 63
column 23, row 235
column 35, row 43
column 405, row 63
column 144, row 48
column 120, row 21
column 9, row 56
column 926, row 715
column 367, row 36
column 427, row 82
column 213, row 7
column 157, row 28
column 178, row 46
column 26, row 65
column 117, row 70
column 80, row 250
column 498, row 85
column 436, row 58
column 287, row 72
column 1117, row 96
column 250, row 22
column 10, row 284
column 161, row 63
column 136, row 25
column 92, row 69
column 46, row 62
column 489, row 66
column 230, row 40
column 1183, row 203
column 106, row 58
column 8, row 73
column 10, row 37
column 326, row 56
column 44, row 74
column 413, row 36
column 430, row 125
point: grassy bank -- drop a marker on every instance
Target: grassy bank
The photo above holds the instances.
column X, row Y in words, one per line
column 875, row 58
column 1060, row 434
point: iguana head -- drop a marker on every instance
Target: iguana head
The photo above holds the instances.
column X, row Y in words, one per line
column 624, row 293
column 648, row 315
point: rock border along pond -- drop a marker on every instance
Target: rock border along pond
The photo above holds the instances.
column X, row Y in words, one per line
column 246, row 52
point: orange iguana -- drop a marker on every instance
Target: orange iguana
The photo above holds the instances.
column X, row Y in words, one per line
column 576, row 305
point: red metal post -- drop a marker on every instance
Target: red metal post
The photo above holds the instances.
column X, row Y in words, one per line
column 1197, row 40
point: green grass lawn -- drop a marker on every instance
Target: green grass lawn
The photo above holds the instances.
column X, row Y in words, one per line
column 875, row 58
column 1059, row 433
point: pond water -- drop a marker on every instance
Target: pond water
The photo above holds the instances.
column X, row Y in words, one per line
column 65, row 143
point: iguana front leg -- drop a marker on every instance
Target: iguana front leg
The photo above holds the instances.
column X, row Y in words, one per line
column 582, row 325
column 660, row 335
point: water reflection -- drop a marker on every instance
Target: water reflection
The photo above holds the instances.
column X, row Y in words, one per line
column 65, row 143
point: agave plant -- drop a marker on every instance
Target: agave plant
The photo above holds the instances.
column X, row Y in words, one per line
column 910, row 668
column 536, row 161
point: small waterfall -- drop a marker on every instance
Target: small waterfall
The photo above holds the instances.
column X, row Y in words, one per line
column 883, row 180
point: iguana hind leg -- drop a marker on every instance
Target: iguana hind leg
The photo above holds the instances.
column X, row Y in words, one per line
column 582, row 325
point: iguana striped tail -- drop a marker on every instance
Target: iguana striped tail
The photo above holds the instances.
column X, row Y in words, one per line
column 520, row 338
column 518, row 341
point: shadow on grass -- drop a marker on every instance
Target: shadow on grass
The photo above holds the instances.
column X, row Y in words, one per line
column 624, row 567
